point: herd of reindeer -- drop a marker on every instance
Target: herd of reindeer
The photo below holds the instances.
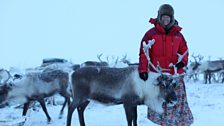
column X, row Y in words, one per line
column 99, row 81
column 212, row 70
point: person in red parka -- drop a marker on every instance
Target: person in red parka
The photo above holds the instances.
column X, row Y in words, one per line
column 169, row 42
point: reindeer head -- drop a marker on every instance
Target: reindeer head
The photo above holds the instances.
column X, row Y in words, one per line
column 167, row 85
column 193, row 67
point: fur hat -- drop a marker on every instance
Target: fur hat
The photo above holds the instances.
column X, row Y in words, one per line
column 166, row 9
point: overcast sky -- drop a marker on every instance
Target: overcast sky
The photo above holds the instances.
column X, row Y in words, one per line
column 78, row 30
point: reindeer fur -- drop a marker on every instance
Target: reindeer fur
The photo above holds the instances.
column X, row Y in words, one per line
column 115, row 86
column 37, row 86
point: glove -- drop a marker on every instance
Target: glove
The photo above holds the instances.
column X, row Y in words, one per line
column 143, row 76
column 179, row 65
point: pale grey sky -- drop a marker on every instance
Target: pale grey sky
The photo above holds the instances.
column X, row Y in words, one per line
column 78, row 30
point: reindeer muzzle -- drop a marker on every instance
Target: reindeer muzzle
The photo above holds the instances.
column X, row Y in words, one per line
column 171, row 99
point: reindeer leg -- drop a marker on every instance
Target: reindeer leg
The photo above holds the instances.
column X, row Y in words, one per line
column 71, row 109
column 135, row 115
column 25, row 108
column 67, row 100
column 205, row 77
column 129, row 113
column 42, row 103
column 81, row 109
column 209, row 77
column 222, row 76
column 62, row 109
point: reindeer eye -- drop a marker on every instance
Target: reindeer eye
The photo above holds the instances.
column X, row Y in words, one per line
column 174, row 84
column 162, row 85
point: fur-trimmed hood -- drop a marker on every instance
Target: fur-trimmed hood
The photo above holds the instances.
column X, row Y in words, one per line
column 166, row 9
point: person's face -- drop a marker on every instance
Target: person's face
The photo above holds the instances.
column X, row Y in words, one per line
column 165, row 19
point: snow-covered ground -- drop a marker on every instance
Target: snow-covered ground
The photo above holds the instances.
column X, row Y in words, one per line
column 205, row 100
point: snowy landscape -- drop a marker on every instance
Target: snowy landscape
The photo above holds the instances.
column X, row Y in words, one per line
column 205, row 101
column 80, row 31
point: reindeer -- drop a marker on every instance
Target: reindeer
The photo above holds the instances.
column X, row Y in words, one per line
column 192, row 68
column 36, row 86
column 95, row 63
column 127, row 61
column 116, row 62
column 211, row 67
column 121, row 86
column 206, row 67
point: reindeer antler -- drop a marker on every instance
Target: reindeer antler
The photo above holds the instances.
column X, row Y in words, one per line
column 116, row 61
column 125, row 60
column 99, row 57
column 160, row 68
column 4, row 75
column 175, row 68
column 146, row 51
column 180, row 57
column 200, row 57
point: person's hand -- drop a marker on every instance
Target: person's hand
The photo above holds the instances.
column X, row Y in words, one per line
column 143, row 76
column 179, row 65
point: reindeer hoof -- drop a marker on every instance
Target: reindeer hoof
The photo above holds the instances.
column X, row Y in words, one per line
column 49, row 121
column 60, row 116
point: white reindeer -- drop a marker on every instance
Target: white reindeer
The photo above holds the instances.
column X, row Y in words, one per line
column 36, row 86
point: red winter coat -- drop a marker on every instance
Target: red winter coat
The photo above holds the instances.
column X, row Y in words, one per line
column 165, row 48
